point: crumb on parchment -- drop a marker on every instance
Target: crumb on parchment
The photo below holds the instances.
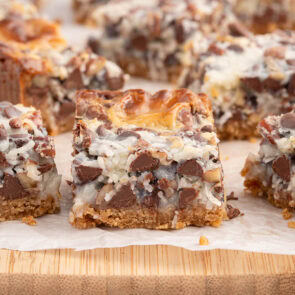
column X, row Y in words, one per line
column 203, row 241
column 286, row 214
column 291, row 224
column 29, row 220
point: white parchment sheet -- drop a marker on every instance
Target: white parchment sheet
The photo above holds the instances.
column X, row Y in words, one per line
column 261, row 229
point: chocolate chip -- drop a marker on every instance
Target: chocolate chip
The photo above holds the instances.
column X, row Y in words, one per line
column 190, row 168
column 66, row 108
column 151, row 201
column 3, row 132
column 20, row 142
column 15, row 123
column 291, row 85
column 3, row 162
column 236, row 48
column 12, row 188
column 171, row 60
column 237, row 29
column 186, row 197
column 139, row 42
column 75, row 80
column 87, row 174
column 93, row 43
column 182, row 32
column 115, row 83
column 124, row 198
column 272, row 84
column 95, row 112
column 207, row 128
column 128, row 133
column 45, row 168
column 232, row 212
column 288, row 121
column 253, row 83
column 282, row 167
column 11, row 112
column 144, row 162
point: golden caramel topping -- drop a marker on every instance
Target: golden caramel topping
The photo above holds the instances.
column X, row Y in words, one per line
column 162, row 110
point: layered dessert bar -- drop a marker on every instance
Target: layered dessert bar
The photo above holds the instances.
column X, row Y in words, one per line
column 270, row 173
column 155, row 39
column 29, row 183
column 247, row 79
column 146, row 160
column 38, row 68
column 264, row 16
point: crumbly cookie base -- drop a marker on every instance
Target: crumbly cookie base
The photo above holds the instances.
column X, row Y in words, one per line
column 256, row 187
column 239, row 129
column 28, row 206
column 147, row 218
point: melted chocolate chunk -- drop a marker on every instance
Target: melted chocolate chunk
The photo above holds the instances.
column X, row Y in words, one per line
column 124, row 198
column 12, row 188
column 190, row 168
column 11, row 112
column 144, row 162
column 87, row 174
column 288, row 121
column 232, row 212
column 94, row 112
column 207, row 128
column 66, row 108
column 75, row 80
column 236, row 48
column 139, row 42
column 282, row 167
column 291, row 85
column 253, row 83
column 272, row 84
column 186, row 197
column 151, row 201
column 45, row 168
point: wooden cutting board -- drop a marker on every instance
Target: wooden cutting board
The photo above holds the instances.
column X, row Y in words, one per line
column 145, row 270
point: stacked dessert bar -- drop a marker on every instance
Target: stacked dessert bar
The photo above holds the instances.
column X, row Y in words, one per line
column 37, row 68
column 29, row 183
column 155, row 39
column 247, row 79
column 270, row 173
column 146, row 160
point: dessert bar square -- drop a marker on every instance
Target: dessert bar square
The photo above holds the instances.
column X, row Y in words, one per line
column 29, row 183
column 146, row 160
column 38, row 68
column 271, row 173
column 155, row 39
column 247, row 78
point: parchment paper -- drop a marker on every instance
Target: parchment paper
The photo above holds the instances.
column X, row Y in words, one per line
column 261, row 229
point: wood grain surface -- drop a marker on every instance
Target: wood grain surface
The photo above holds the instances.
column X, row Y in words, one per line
column 145, row 270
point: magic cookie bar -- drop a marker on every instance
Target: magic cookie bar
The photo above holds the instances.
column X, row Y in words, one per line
column 29, row 183
column 155, row 39
column 264, row 16
column 143, row 160
column 247, row 79
column 37, row 68
column 271, row 173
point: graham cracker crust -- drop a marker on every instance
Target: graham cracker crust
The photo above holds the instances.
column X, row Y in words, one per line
column 28, row 206
column 147, row 218
column 257, row 189
column 239, row 129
